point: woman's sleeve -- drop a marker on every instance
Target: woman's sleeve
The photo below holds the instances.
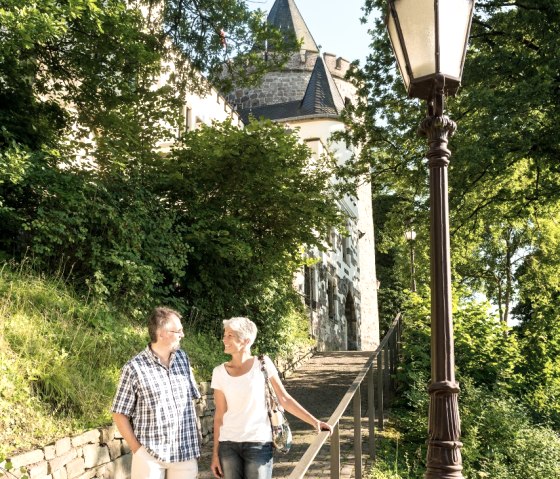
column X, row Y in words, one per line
column 216, row 383
column 270, row 367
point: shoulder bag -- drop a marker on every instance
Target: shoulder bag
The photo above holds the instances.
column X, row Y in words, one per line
column 281, row 433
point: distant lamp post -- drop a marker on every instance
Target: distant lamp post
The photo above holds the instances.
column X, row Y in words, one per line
column 429, row 39
column 410, row 236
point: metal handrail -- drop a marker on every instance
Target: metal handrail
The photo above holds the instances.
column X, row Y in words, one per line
column 385, row 357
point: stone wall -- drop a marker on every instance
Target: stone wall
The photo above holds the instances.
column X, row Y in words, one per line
column 96, row 454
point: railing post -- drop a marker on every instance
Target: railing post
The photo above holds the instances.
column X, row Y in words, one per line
column 371, row 412
column 335, row 452
column 358, row 434
column 387, row 371
column 394, row 352
column 380, row 390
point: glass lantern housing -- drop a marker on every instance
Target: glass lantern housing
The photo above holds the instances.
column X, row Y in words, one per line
column 429, row 38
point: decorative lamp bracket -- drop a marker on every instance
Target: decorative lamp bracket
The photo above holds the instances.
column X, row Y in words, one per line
column 436, row 102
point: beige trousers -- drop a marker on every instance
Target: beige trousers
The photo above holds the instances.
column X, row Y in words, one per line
column 145, row 466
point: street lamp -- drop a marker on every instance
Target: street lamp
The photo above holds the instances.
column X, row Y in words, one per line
column 429, row 39
column 410, row 236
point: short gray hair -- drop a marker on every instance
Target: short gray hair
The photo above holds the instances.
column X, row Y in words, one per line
column 243, row 327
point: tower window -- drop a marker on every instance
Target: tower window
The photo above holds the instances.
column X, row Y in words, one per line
column 309, row 286
column 331, row 295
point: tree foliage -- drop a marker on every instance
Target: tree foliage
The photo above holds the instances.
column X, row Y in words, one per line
column 504, row 186
column 89, row 90
column 90, row 69
column 499, row 438
column 249, row 199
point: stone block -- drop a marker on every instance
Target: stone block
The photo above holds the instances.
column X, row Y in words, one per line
column 204, row 388
column 89, row 474
column 101, row 471
column 27, row 458
column 207, row 424
column 17, row 473
column 86, row 438
column 122, row 467
column 38, row 470
column 115, row 448
column 200, row 408
column 125, row 447
column 60, row 474
column 61, row 461
column 63, row 446
column 108, row 434
column 108, row 471
column 50, row 452
column 95, row 455
column 75, row 468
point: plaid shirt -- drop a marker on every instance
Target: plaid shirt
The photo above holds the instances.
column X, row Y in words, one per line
column 159, row 403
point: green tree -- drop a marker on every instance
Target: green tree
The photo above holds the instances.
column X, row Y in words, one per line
column 249, row 200
column 503, row 175
column 504, row 186
column 82, row 115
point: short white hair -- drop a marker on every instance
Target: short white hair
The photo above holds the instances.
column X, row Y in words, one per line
column 244, row 328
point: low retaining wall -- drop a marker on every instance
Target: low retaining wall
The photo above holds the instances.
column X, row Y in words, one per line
column 97, row 454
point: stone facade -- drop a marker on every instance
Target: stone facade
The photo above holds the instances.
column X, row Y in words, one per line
column 290, row 84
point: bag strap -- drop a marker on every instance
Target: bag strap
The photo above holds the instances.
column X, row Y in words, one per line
column 267, row 395
column 272, row 399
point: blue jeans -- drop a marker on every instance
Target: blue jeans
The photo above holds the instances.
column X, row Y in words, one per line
column 246, row 460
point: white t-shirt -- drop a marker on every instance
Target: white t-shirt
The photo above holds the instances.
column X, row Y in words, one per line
column 246, row 418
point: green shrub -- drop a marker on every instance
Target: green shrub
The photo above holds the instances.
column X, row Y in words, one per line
column 499, row 438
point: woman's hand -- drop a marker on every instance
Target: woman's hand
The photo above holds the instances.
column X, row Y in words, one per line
column 323, row 426
column 215, row 467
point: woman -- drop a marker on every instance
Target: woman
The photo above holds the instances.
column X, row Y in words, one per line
column 242, row 431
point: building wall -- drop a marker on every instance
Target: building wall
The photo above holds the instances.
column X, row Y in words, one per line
column 199, row 108
column 339, row 284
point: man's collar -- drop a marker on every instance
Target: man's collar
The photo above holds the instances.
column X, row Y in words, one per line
column 156, row 358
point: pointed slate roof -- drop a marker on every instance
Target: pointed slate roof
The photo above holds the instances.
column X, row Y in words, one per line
column 322, row 95
column 285, row 15
column 321, row 100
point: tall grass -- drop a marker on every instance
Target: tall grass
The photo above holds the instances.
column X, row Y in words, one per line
column 60, row 358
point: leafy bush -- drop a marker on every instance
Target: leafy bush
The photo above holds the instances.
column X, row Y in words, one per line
column 499, row 438
column 116, row 239
column 485, row 351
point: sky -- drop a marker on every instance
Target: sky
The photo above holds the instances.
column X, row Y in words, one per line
column 334, row 24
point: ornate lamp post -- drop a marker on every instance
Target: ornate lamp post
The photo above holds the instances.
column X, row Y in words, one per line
column 410, row 236
column 429, row 39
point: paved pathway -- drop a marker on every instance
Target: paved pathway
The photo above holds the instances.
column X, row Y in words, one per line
column 319, row 385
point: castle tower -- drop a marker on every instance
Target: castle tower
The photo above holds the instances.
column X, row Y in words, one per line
column 309, row 94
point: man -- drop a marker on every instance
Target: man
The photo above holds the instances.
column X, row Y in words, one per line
column 153, row 408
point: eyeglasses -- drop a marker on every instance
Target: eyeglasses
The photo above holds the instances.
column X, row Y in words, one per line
column 176, row 332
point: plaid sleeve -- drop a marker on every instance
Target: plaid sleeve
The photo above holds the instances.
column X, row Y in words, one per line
column 125, row 398
column 194, row 389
